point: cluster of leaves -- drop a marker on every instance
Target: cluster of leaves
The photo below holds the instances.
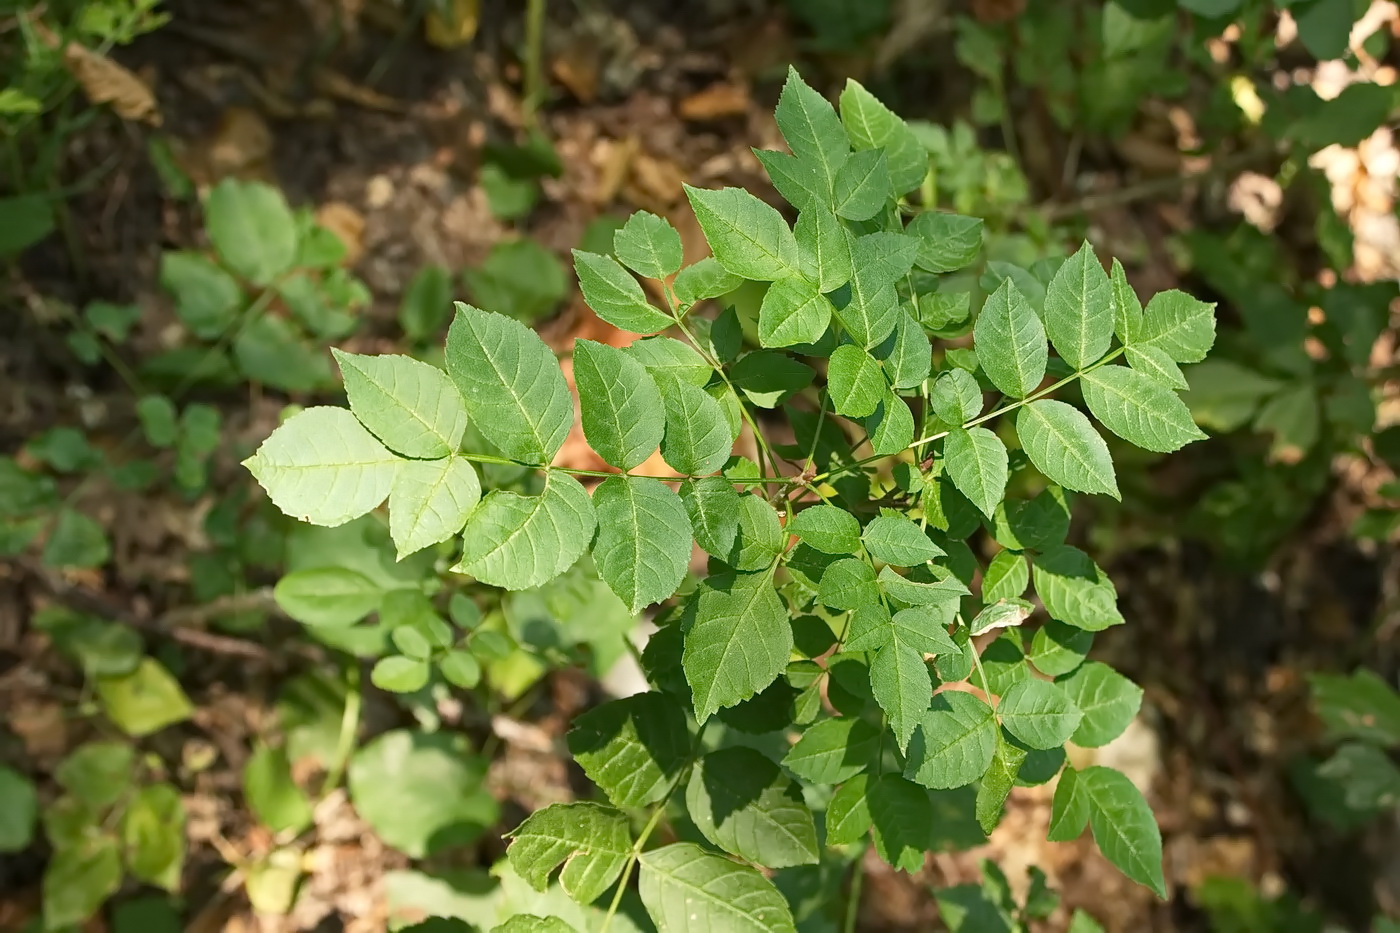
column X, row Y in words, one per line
column 1359, row 781
column 839, row 598
column 263, row 302
column 114, row 815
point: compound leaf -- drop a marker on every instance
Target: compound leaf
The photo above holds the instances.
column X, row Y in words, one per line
column 897, row 540
column 1065, row 447
column 1010, row 341
column 430, row 501
column 511, row 384
column 747, row 236
column 643, row 543
column 900, row 681
column 812, row 129
column 737, row 640
column 1123, row 826
column 688, row 890
column 827, row 528
column 1139, row 409
column 1181, row 325
column 321, row 466
column 793, row 311
column 1079, row 309
column 622, row 412
column 592, row 842
column 516, row 542
column 409, row 405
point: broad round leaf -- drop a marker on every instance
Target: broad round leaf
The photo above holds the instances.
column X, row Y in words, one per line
column 421, row 792
column 321, row 466
column 251, row 228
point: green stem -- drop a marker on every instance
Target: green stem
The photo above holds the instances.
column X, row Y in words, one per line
column 505, row 461
column 349, row 725
column 534, row 55
column 853, row 899
column 1034, row 396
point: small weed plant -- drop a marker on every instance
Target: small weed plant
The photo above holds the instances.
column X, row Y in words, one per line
column 892, row 630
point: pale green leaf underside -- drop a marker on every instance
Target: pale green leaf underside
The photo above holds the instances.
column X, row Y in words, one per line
column 591, row 840
column 511, row 384
column 622, row 413
column 688, row 890
column 643, row 543
column 1065, row 447
column 1139, row 409
column 430, row 501
column 409, row 405
column 516, row 542
column 321, row 466
column 737, row 640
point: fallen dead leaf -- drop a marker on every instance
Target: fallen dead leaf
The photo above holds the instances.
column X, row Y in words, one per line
column 578, row 66
column 346, row 223
column 613, row 159
column 719, row 100
column 105, row 82
column 239, row 147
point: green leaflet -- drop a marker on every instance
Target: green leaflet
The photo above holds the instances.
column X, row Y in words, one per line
column 833, row 750
column 848, row 584
column 811, row 128
column 917, row 593
column 954, row 743
column 824, row 249
column 1360, row 706
column 1065, row 447
column 321, row 466
column 759, row 539
column 712, row 503
column 996, row 784
column 855, row 381
column 975, row 460
column 1079, row 309
column 737, row 640
column 895, row 539
column 615, row 296
column 1038, row 713
column 697, row 438
column 799, row 181
column 665, row 356
column 1157, row 363
column 1109, row 700
column 592, row 842
column 906, row 354
column 1010, row 342
column 511, row 384
column 900, row 681
column 705, row 278
column 827, row 528
column 1075, row 590
column 410, row 406
column 688, row 890
column 744, row 804
column 871, row 125
column 1058, row 648
column 769, row 377
column 871, row 310
column 622, row 413
column 891, row 427
column 649, row 245
column 643, row 544
column 956, row 397
column 1123, row 825
column 947, row 242
column 748, row 237
column 793, row 312
column 1127, row 310
column 900, row 814
column 848, row 813
column 430, row 501
column 1006, row 577
column 1182, row 326
column 1139, row 409
column 632, row 748
column 862, row 186
column 516, row 542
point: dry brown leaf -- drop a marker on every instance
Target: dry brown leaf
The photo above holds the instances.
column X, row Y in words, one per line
column 716, row 102
column 346, row 223
column 334, row 84
column 578, row 67
column 105, row 82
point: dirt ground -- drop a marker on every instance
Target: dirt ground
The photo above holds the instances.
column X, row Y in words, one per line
column 383, row 134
